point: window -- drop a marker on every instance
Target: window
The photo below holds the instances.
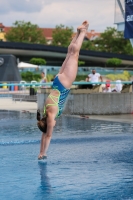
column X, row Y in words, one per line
column 1, row 30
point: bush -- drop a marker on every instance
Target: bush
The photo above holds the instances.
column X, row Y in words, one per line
column 27, row 76
column 38, row 61
column 127, row 74
column 81, row 63
column 30, row 76
column 124, row 77
column 114, row 62
column 37, row 77
column 81, row 77
column 49, row 77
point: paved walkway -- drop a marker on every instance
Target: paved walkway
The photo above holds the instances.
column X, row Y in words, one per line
column 127, row 118
column 8, row 104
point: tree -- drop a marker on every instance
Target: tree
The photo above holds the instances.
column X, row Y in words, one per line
column 25, row 32
column 88, row 45
column 81, row 62
column 38, row 61
column 62, row 35
column 115, row 62
column 113, row 41
column 27, row 76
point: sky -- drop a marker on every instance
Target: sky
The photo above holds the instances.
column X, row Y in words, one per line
column 49, row 13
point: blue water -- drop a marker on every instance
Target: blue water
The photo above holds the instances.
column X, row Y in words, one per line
column 87, row 159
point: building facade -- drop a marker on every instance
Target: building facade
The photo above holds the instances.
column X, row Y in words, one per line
column 2, row 32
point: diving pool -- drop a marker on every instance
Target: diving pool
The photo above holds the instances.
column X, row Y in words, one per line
column 87, row 159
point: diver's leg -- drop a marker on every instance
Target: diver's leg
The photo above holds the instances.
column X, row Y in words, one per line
column 79, row 29
column 71, row 66
column 68, row 54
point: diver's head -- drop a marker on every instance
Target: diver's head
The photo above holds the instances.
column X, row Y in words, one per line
column 42, row 124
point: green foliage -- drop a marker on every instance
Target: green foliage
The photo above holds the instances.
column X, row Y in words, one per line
column 27, row 76
column 38, row 61
column 127, row 74
column 36, row 77
column 25, row 32
column 62, row 35
column 113, row 41
column 124, row 77
column 81, row 77
column 81, row 62
column 88, row 45
column 30, row 76
column 49, row 77
column 128, row 49
column 114, row 62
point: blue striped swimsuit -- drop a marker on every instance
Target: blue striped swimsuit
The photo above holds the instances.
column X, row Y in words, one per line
column 63, row 94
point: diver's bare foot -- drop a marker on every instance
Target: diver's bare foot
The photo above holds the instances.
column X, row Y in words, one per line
column 42, row 157
column 84, row 26
column 85, row 23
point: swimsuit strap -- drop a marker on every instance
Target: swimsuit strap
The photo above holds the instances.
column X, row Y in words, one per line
column 52, row 98
column 52, row 104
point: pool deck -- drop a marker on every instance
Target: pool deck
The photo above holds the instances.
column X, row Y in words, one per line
column 125, row 118
column 8, row 104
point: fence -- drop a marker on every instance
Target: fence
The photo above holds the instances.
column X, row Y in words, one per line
column 16, row 88
column 50, row 83
column 80, row 101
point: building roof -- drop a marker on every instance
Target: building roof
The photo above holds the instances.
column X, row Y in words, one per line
column 6, row 29
column 93, row 35
column 2, row 26
column 47, row 32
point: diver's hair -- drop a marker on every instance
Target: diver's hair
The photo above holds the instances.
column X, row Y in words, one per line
column 42, row 123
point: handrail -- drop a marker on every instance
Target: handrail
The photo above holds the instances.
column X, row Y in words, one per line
column 74, row 83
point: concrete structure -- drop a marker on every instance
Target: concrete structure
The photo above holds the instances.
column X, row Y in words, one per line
column 8, row 68
column 30, row 107
column 55, row 55
column 94, row 103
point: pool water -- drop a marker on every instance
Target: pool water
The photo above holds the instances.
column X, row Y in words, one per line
column 87, row 159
